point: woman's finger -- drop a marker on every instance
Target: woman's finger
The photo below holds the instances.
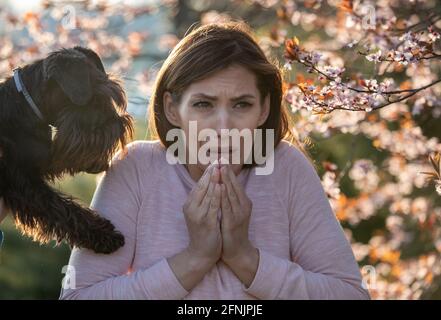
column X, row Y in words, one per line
column 202, row 185
column 232, row 197
column 207, row 198
column 227, row 214
column 215, row 203
column 236, row 185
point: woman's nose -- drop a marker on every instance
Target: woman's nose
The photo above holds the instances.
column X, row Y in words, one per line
column 222, row 121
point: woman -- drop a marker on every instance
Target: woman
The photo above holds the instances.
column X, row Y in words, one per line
column 218, row 231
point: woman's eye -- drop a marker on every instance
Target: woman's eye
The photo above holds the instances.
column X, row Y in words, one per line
column 243, row 105
column 201, row 104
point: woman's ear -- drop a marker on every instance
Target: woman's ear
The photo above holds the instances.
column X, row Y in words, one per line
column 170, row 110
column 265, row 110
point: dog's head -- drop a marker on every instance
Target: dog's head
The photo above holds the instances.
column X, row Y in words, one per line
column 88, row 109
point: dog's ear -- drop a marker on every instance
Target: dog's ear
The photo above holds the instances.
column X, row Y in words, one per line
column 71, row 70
column 92, row 55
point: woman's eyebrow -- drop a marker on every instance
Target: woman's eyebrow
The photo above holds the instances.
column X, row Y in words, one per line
column 214, row 98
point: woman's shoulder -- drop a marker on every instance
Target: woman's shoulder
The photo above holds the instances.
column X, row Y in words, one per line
column 138, row 154
column 138, row 159
column 295, row 176
column 143, row 147
column 288, row 157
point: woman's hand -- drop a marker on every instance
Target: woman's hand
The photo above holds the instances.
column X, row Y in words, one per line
column 200, row 211
column 236, row 212
column 237, row 251
column 205, row 247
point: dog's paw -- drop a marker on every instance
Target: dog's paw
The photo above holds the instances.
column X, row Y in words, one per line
column 108, row 242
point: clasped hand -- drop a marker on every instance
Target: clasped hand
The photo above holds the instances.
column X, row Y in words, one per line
column 212, row 237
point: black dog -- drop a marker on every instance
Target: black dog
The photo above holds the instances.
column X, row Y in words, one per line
column 60, row 115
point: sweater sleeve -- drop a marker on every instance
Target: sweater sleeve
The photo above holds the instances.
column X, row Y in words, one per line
column 322, row 264
column 100, row 276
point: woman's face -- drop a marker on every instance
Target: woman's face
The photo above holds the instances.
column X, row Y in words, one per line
column 228, row 99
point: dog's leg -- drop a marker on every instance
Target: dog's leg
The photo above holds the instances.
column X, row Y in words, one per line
column 46, row 214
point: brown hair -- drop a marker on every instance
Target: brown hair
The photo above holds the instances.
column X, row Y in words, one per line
column 211, row 48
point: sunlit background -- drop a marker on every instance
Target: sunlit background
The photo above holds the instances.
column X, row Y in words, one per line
column 370, row 161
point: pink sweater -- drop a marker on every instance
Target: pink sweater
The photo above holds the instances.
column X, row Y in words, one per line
column 303, row 253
